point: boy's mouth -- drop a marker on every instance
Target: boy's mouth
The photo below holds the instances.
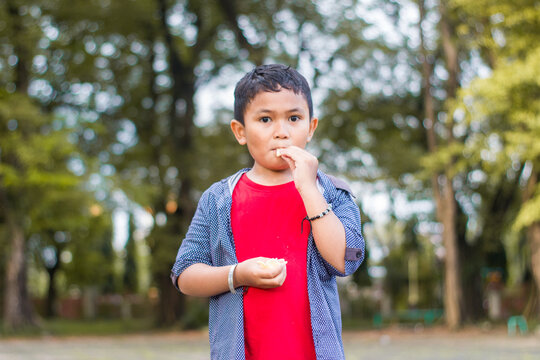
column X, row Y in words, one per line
column 277, row 151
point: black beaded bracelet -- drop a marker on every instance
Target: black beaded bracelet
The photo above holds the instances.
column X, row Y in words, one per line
column 321, row 214
column 328, row 209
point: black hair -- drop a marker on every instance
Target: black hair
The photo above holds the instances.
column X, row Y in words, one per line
column 273, row 77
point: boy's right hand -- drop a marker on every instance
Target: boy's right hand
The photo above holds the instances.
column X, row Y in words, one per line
column 251, row 273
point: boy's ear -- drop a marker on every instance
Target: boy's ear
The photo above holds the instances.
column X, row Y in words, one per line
column 239, row 131
column 312, row 126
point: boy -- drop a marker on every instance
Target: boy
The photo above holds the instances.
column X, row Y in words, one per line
column 266, row 243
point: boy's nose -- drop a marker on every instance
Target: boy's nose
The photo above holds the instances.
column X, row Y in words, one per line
column 281, row 130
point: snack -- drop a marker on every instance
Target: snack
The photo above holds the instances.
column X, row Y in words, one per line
column 273, row 262
column 278, row 152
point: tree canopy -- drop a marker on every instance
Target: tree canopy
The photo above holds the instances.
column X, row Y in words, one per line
column 429, row 107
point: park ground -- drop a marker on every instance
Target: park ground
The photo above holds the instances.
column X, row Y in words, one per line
column 390, row 343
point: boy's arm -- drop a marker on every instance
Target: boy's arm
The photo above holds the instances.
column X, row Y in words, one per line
column 329, row 232
column 194, row 274
column 348, row 213
column 205, row 280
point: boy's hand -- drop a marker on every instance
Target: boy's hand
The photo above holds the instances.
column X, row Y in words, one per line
column 303, row 166
column 251, row 273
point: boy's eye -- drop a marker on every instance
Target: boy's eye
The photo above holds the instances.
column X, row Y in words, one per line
column 264, row 119
column 294, row 118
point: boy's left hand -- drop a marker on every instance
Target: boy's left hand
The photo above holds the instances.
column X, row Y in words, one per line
column 303, row 166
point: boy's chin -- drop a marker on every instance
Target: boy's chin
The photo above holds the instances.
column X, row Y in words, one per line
column 284, row 167
column 277, row 167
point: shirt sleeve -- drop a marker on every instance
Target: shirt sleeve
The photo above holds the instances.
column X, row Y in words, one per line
column 195, row 248
column 348, row 213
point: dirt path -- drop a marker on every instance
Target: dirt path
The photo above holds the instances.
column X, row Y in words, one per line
column 395, row 343
column 439, row 343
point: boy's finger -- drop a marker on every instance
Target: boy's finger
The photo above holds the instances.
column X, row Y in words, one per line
column 276, row 281
column 289, row 161
column 283, row 276
column 277, row 270
column 269, row 273
column 290, row 151
column 295, row 155
column 274, row 271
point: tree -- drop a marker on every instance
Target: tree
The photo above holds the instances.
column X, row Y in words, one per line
column 403, row 122
column 33, row 165
column 502, row 109
column 442, row 181
column 58, row 223
column 150, row 62
column 40, row 163
column 179, row 51
column 406, row 137
column 17, row 308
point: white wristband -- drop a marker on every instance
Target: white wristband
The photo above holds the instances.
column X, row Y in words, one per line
column 231, row 279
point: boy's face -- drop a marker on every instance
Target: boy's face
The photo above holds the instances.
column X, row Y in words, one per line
column 274, row 120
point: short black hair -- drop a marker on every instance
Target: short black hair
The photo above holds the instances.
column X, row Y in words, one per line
column 272, row 77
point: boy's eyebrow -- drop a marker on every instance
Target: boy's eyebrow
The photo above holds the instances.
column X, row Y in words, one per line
column 265, row 111
column 272, row 111
column 295, row 110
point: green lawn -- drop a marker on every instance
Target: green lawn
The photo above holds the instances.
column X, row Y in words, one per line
column 63, row 327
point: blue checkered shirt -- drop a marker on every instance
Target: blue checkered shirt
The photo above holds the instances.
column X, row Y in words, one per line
column 209, row 240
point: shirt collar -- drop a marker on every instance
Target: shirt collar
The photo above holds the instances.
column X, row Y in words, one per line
column 232, row 181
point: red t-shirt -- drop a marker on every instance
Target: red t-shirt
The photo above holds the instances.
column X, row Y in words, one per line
column 266, row 221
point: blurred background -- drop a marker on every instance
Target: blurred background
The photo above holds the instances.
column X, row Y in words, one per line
column 114, row 118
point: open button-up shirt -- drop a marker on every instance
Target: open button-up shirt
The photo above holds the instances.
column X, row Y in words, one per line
column 209, row 240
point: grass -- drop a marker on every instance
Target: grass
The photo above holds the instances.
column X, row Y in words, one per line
column 352, row 323
column 98, row 327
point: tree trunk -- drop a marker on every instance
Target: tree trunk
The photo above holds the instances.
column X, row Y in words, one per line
column 533, row 235
column 472, row 258
column 18, row 310
column 453, row 279
column 171, row 305
column 450, row 53
column 180, row 142
column 452, row 282
column 50, row 310
column 444, row 198
column 22, row 75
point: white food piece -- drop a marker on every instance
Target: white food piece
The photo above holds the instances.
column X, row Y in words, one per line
column 269, row 263
column 278, row 152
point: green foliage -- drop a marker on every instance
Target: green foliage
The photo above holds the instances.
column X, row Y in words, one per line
column 386, row 128
column 34, row 170
column 50, row 198
column 196, row 315
column 505, row 106
column 111, row 105
column 396, row 282
column 93, row 254
column 505, row 28
column 31, row 150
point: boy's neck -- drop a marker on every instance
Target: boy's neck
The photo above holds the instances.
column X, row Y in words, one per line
column 268, row 177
